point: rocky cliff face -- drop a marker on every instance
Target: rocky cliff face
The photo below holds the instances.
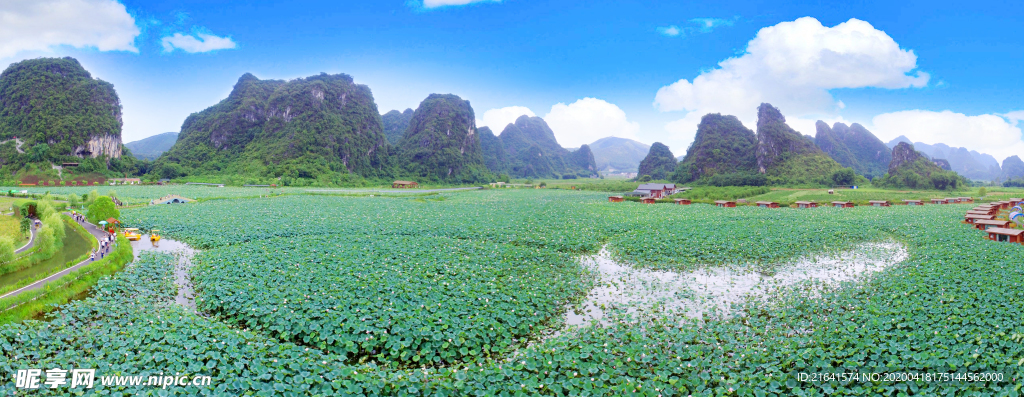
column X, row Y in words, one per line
column 902, row 155
column 105, row 145
column 442, row 142
column 57, row 102
column 583, row 158
column 302, row 128
column 942, row 163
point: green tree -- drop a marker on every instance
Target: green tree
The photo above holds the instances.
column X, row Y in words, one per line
column 39, row 152
column 982, row 192
column 844, row 177
column 645, row 178
column 101, row 209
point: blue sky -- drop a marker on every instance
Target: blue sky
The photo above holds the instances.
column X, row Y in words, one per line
column 934, row 71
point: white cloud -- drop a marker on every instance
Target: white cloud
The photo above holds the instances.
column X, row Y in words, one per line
column 444, row 3
column 588, row 120
column 706, row 25
column 193, row 44
column 39, row 25
column 793, row 65
column 497, row 119
column 670, row 31
column 994, row 134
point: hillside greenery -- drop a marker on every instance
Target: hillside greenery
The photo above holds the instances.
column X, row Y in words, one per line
column 152, row 147
column 533, row 152
column 786, row 156
column 722, row 146
column 921, row 173
column 441, row 143
column 56, row 102
column 659, row 163
column 308, row 128
column 395, row 124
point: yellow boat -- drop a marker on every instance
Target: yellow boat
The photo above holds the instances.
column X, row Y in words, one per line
column 132, row 234
column 153, row 236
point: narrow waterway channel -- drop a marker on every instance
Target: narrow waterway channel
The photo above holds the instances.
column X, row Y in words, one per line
column 183, row 253
column 75, row 245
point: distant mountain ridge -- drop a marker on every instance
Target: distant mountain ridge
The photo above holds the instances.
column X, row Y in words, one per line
column 618, row 154
column 152, row 147
column 532, row 151
column 854, row 147
column 969, row 163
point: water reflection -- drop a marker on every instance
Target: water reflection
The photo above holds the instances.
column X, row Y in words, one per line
column 184, row 253
column 712, row 291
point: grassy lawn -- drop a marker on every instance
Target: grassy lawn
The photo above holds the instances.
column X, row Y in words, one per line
column 9, row 226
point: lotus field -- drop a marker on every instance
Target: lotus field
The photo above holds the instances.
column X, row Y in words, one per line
column 467, row 294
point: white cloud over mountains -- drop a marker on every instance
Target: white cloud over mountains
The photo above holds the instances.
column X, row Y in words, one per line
column 40, row 25
column 577, row 123
column 793, row 65
column 998, row 135
column 497, row 119
column 588, row 120
column 200, row 42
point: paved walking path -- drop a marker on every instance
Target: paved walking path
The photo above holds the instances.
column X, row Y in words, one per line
column 95, row 231
column 31, row 240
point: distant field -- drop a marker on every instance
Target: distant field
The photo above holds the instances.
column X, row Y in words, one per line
column 9, row 226
column 788, row 196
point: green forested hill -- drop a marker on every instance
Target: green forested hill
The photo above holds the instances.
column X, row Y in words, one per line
column 55, row 101
column 854, row 147
column 318, row 127
column 533, row 152
column 442, row 143
column 152, row 147
column 910, row 169
column 493, row 151
column 722, row 146
column 659, row 163
column 785, row 155
column 395, row 124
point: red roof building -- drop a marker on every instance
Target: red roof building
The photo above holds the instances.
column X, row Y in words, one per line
column 879, row 203
column 767, row 204
column 913, row 202
column 842, row 204
column 615, row 199
column 725, row 203
column 648, row 200
column 984, row 224
column 806, row 204
column 682, row 201
column 1006, row 235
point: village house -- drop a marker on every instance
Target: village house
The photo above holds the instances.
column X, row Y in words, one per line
column 970, row 218
column 683, row 201
column 879, row 203
column 767, row 204
column 806, row 204
column 654, row 190
column 913, row 202
column 648, row 200
column 939, row 201
column 725, row 203
column 842, row 204
column 1006, row 235
column 952, row 200
column 966, row 199
column 615, row 199
column 985, row 224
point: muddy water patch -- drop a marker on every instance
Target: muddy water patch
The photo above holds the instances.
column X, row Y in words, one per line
column 712, row 291
column 183, row 253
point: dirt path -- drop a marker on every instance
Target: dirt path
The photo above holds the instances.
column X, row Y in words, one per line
column 95, row 231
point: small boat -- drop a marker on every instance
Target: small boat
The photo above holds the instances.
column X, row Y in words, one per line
column 132, row 234
column 153, row 236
